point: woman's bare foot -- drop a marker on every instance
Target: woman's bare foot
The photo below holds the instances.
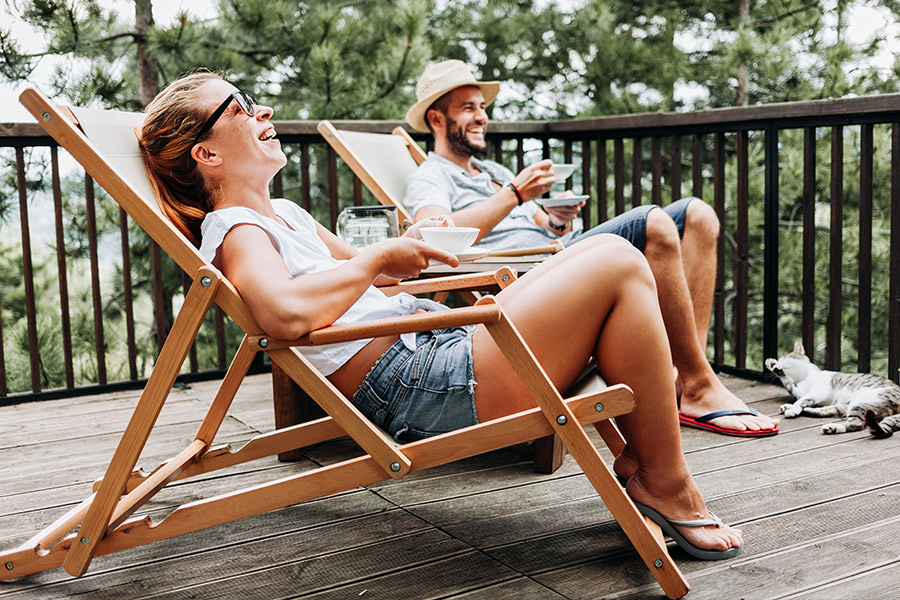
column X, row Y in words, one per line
column 625, row 465
column 708, row 394
column 676, row 497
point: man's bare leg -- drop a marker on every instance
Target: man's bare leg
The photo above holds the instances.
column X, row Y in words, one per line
column 685, row 277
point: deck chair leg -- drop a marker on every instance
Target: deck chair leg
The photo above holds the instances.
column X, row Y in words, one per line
column 292, row 407
column 646, row 541
column 171, row 358
column 549, row 454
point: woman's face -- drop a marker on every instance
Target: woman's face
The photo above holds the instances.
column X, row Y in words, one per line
column 243, row 146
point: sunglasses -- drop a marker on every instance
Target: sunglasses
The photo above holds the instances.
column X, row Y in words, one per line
column 244, row 101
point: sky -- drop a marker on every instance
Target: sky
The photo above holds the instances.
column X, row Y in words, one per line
column 164, row 12
column 863, row 22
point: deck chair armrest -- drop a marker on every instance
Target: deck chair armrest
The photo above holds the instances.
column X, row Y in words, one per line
column 456, row 317
column 501, row 277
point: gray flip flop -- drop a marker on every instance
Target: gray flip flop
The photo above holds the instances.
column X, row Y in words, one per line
column 668, row 527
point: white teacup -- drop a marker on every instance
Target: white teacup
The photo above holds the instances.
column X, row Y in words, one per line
column 563, row 171
column 450, row 239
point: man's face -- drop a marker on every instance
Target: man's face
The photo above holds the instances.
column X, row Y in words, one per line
column 466, row 121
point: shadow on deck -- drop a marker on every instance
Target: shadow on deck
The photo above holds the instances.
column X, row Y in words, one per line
column 819, row 515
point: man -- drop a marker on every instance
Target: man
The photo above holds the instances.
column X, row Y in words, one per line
column 678, row 241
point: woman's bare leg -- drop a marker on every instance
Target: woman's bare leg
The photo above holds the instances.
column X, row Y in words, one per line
column 598, row 298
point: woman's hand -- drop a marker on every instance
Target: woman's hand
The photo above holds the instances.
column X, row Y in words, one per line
column 405, row 257
column 436, row 221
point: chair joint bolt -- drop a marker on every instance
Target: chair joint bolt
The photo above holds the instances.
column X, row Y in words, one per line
column 658, row 563
column 85, row 541
column 205, row 281
column 598, row 407
column 395, row 467
column 263, row 343
column 562, row 420
column 46, row 116
column 9, row 566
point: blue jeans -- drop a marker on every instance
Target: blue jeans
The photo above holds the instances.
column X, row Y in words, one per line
column 632, row 225
column 416, row 394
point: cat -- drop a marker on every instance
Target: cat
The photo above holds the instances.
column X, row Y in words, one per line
column 865, row 400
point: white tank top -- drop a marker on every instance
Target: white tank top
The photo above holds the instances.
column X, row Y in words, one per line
column 304, row 252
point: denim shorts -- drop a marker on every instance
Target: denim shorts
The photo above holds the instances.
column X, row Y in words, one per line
column 416, row 394
column 632, row 225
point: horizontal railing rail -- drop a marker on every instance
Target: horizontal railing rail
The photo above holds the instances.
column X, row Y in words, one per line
column 808, row 195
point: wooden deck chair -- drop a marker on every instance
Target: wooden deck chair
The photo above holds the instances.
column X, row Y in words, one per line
column 383, row 162
column 105, row 521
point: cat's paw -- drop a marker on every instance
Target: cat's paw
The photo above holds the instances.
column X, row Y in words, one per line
column 876, row 428
column 829, row 428
column 790, row 411
column 772, row 364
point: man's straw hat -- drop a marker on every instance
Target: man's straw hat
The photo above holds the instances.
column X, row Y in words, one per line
column 437, row 80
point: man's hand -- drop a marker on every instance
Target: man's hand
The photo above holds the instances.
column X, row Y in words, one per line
column 562, row 215
column 535, row 180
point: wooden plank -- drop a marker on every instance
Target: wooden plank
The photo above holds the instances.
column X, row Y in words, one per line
column 460, row 573
column 520, row 589
column 788, row 550
column 320, row 527
column 873, row 584
column 21, row 485
column 312, row 559
column 805, row 565
column 575, row 545
column 797, row 497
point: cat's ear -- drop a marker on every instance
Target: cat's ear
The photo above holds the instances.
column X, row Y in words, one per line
column 798, row 348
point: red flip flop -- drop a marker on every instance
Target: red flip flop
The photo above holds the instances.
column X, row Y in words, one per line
column 703, row 423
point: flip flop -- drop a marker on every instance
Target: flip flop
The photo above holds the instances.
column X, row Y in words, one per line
column 668, row 527
column 703, row 423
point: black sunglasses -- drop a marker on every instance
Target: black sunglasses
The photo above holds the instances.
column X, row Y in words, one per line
column 244, row 101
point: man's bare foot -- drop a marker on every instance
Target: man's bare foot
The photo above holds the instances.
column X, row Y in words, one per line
column 708, row 394
column 676, row 497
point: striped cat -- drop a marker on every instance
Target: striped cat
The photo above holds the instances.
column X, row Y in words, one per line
column 865, row 400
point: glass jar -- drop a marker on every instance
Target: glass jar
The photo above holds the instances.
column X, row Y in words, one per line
column 362, row 226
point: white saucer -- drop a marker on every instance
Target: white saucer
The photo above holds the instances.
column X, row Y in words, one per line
column 470, row 255
column 561, row 201
column 465, row 257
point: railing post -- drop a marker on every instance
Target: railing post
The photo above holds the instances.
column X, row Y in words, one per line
column 864, row 339
column 894, row 293
column 808, row 324
column 770, row 242
column 836, row 253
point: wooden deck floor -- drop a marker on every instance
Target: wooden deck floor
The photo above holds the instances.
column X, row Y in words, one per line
column 820, row 515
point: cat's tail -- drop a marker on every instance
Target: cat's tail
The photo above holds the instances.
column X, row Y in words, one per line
column 880, row 429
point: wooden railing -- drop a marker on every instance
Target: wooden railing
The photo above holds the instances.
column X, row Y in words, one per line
column 787, row 181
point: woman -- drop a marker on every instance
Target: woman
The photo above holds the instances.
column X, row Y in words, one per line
column 212, row 153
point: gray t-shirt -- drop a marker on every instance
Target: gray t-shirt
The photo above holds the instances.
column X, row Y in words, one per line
column 441, row 182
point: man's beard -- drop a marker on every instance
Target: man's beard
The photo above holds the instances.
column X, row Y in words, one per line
column 459, row 143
